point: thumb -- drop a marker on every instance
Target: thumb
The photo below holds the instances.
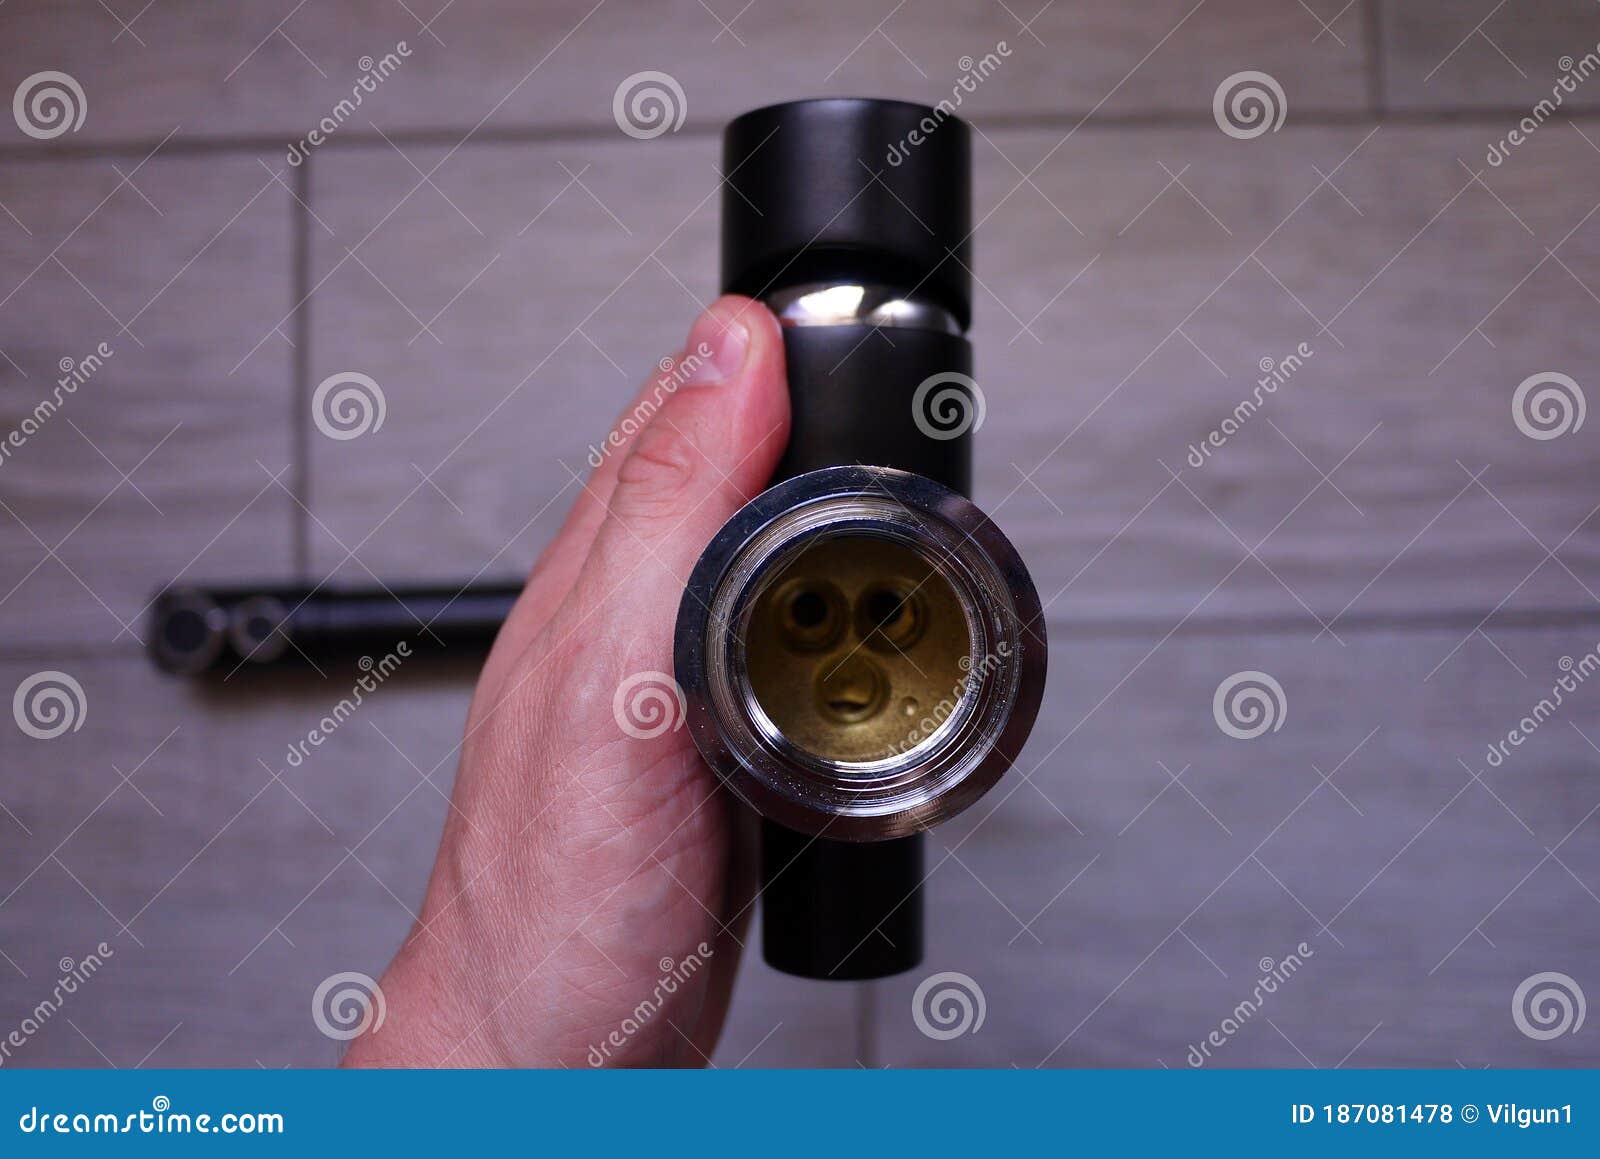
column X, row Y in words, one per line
column 712, row 444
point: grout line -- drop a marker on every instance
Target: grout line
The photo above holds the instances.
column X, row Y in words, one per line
column 866, row 1024
column 1377, row 60
column 300, row 388
column 1070, row 628
column 1288, row 624
column 598, row 133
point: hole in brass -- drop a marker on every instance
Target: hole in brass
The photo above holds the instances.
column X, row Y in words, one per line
column 851, row 690
column 808, row 613
column 850, row 642
column 808, row 609
column 891, row 616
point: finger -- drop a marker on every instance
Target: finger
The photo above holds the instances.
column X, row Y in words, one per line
column 712, row 446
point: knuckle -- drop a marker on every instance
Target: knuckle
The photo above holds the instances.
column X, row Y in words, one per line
column 659, row 470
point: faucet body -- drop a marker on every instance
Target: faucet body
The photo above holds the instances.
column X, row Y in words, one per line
column 892, row 711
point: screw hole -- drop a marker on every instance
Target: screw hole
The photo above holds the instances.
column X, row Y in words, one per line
column 891, row 616
column 884, row 608
column 808, row 609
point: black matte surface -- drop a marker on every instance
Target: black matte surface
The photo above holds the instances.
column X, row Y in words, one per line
column 813, row 197
column 328, row 623
column 835, row 909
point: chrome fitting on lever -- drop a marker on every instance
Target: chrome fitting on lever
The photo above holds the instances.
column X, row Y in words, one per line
column 860, row 646
column 860, row 653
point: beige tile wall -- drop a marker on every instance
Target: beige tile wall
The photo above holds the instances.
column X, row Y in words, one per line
column 481, row 239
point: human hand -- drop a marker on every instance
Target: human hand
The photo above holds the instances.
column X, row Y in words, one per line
column 588, row 871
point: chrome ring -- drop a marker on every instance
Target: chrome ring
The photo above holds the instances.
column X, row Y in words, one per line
column 939, row 773
column 856, row 304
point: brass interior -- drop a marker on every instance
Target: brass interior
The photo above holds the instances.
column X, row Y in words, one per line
column 853, row 644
